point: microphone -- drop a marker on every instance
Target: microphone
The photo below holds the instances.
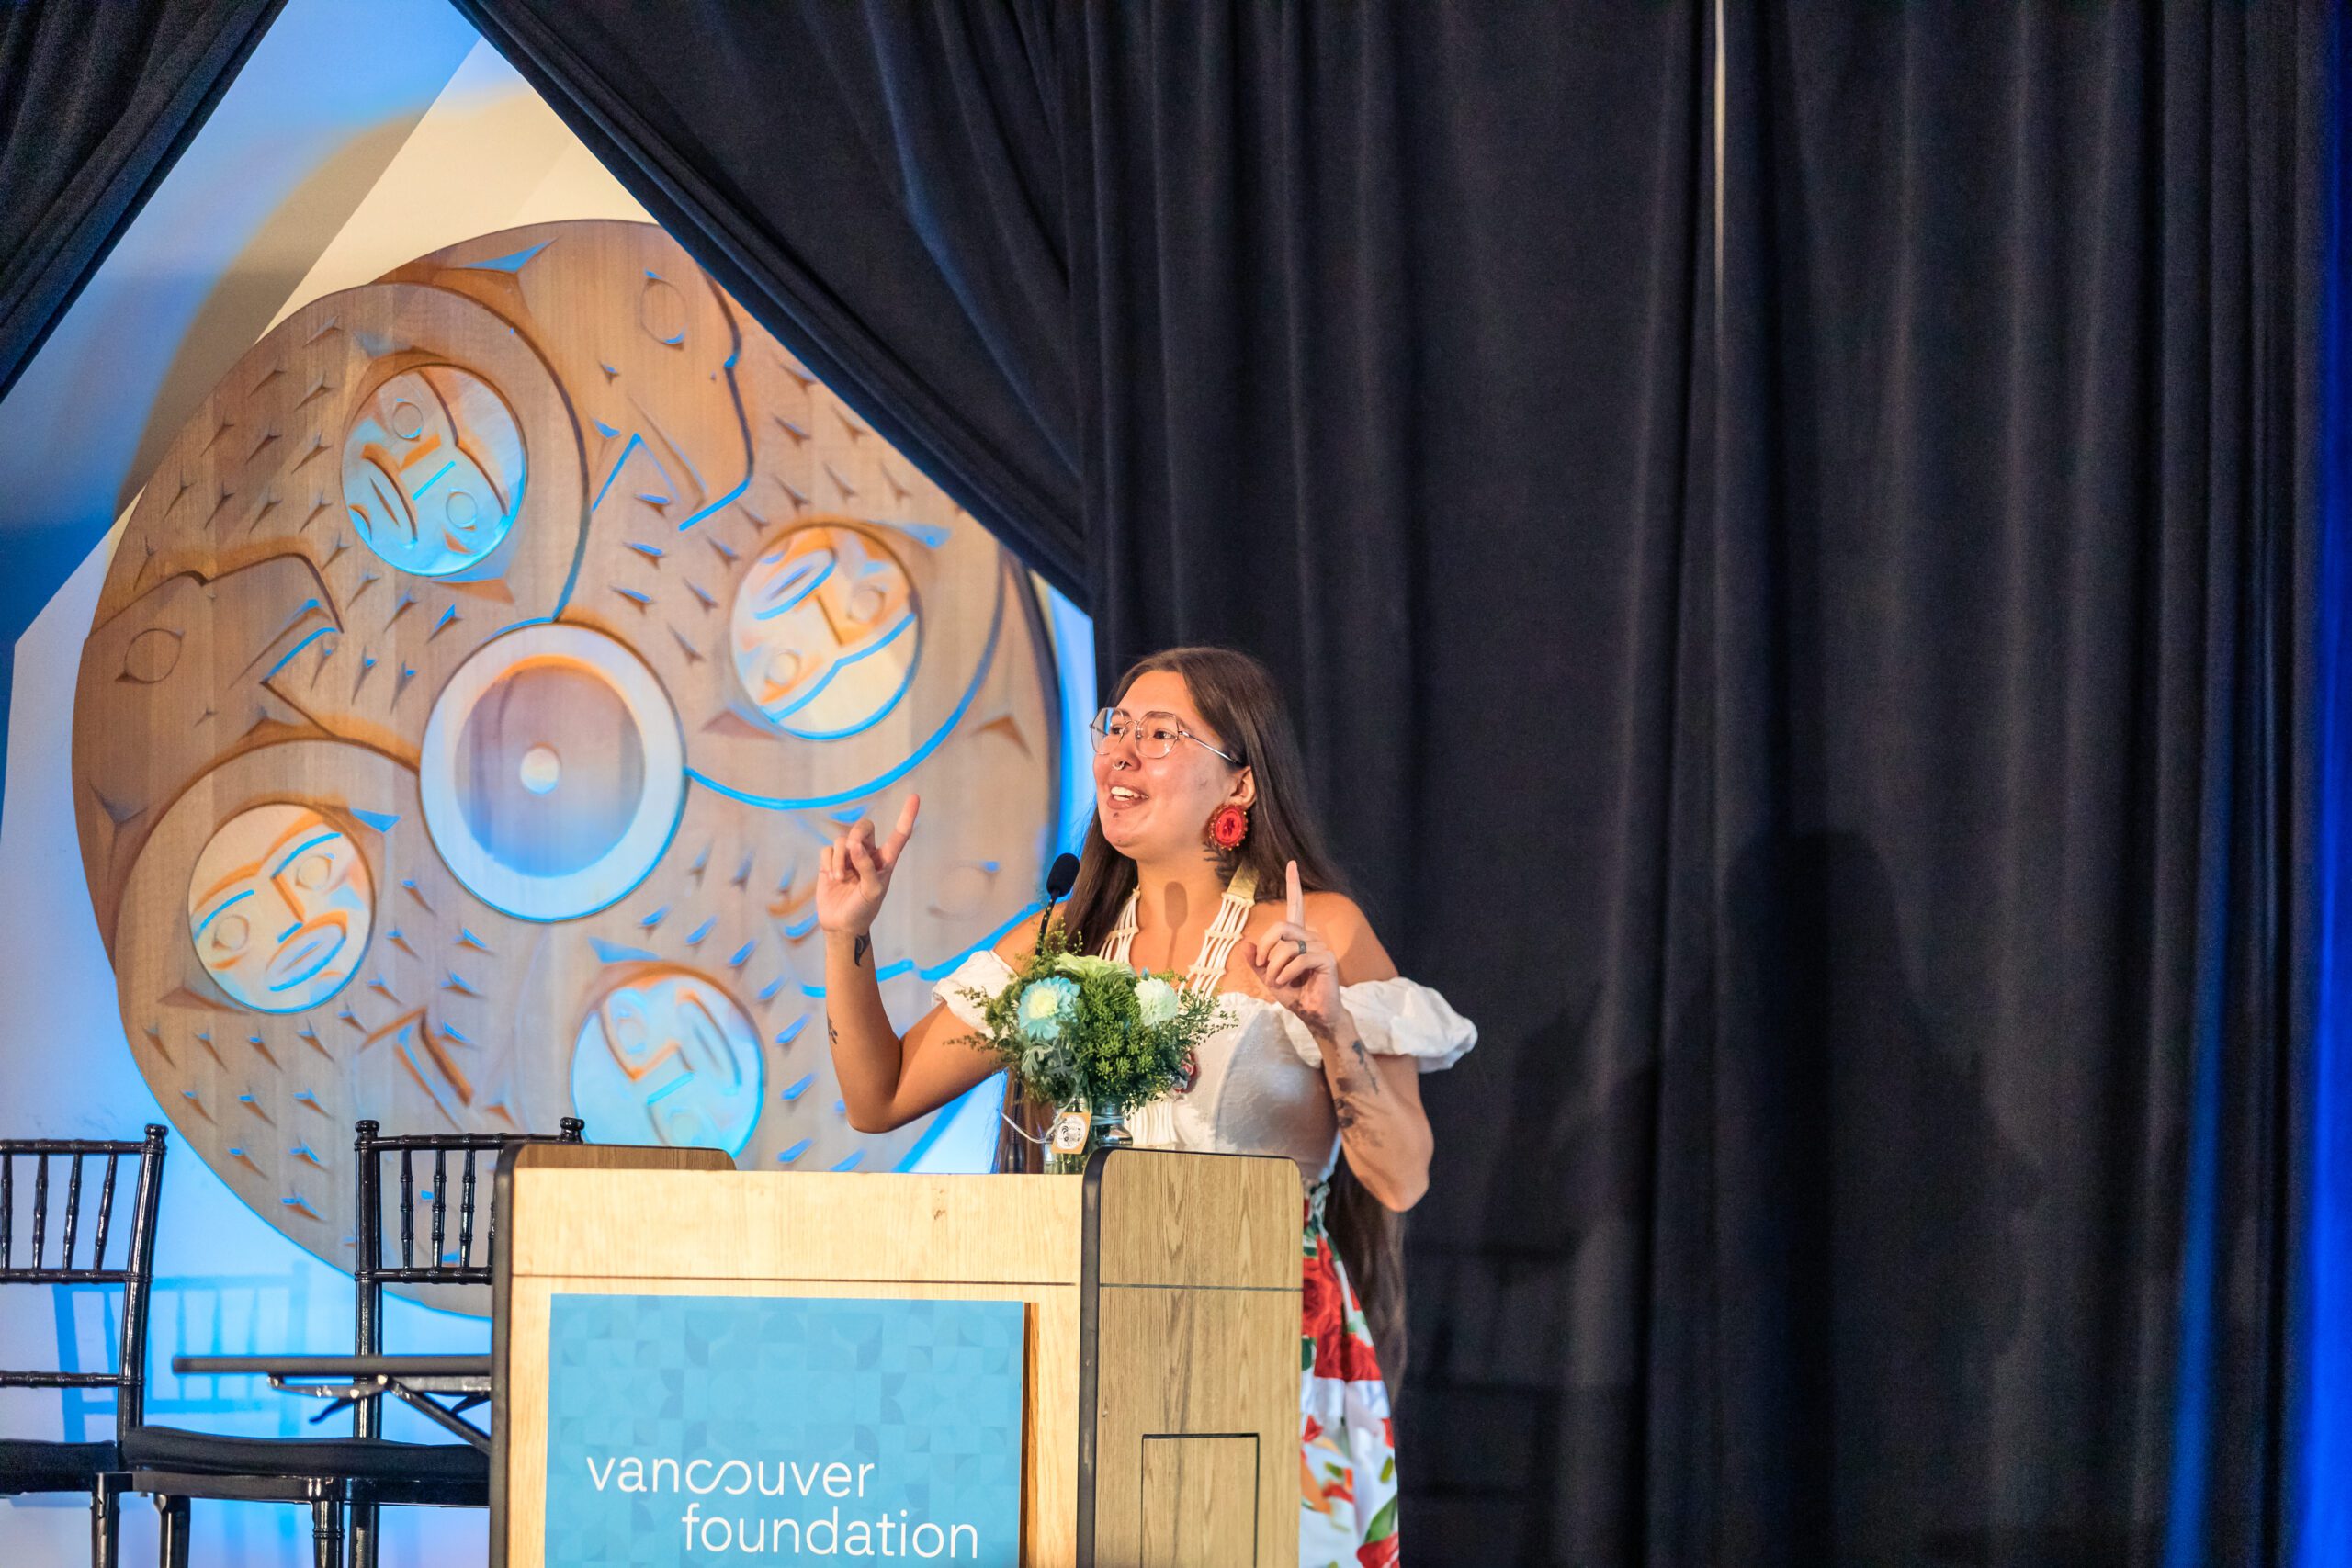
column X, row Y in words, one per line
column 1058, row 882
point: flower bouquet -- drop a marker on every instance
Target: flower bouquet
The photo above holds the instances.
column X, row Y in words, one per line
column 1093, row 1039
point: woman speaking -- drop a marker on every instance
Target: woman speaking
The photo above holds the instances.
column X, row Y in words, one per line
column 1204, row 856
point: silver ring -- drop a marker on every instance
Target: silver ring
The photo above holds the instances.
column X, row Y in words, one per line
column 1302, row 945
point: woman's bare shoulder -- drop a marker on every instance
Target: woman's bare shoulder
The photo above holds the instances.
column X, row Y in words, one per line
column 1342, row 922
column 1331, row 912
column 1017, row 943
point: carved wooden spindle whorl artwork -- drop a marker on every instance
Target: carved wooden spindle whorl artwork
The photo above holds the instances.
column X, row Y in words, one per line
column 475, row 683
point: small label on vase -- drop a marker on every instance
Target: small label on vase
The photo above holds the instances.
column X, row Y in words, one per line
column 1069, row 1135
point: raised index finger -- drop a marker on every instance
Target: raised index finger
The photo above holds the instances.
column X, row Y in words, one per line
column 903, row 831
column 1298, row 898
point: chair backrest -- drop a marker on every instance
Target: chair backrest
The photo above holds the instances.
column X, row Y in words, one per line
column 134, row 1271
column 450, row 1258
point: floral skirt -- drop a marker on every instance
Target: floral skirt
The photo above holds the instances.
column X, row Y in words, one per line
column 1347, row 1442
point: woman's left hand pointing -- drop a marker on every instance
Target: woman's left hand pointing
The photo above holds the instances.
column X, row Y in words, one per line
column 1297, row 966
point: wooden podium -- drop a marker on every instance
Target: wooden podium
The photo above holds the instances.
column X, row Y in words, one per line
column 1162, row 1321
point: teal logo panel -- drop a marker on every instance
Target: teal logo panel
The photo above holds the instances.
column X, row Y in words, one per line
column 701, row 1430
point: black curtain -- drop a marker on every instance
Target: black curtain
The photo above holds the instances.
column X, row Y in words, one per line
column 1812, row 661
column 1817, row 664
column 880, row 184
column 96, row 103
column 1979, row 1113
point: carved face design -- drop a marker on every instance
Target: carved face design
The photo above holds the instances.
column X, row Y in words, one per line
column 668, row 1056
column 825, row 632
column 432, row 471
column 279, row 907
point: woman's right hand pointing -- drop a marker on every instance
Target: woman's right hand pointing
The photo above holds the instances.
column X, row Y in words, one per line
column 855, row 873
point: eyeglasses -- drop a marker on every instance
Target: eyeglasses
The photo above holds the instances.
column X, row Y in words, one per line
column 1155, row 734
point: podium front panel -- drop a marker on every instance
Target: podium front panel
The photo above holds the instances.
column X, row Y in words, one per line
column 1188, row 1397
column 1160, row 1338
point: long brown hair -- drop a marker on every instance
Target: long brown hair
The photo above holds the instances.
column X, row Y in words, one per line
column 1236, row 698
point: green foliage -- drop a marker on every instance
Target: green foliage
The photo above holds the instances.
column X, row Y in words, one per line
column 1098, row 1049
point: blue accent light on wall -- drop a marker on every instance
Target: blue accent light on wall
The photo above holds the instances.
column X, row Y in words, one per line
column 513, row 263
column 1074, row 634
column 2322, row 1521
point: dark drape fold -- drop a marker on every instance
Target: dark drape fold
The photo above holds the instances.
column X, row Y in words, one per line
column 880, row 185
column 2002, row 1102
column 1818, row 663
column 96, row 103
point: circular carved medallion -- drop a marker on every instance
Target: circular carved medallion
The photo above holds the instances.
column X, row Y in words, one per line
column 475, row 685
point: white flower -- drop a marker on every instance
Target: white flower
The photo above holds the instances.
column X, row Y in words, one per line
column 1155, row 999
column 1045, row 1006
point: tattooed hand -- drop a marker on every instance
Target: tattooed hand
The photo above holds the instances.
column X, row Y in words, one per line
column 1298, row 968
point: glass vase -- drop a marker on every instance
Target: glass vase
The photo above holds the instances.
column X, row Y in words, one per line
column 1103, row 1129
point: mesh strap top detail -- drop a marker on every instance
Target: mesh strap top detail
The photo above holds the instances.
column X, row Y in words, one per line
column 1217, row 942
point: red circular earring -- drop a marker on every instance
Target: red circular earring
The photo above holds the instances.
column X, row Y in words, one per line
column 1228, row 827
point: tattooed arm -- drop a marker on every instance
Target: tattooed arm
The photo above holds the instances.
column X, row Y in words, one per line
column 885, row 1080
column 1383, row 1132
column 868, row 1055
column 1303, row 962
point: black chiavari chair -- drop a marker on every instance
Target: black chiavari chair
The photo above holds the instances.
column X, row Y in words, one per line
column 448, row 1261
column 31, row 1464
column 360, row 1475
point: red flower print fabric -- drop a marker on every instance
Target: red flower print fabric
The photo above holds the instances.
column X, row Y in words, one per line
column 1347, row 1442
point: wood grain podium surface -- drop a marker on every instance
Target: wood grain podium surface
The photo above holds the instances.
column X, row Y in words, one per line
column 1161, row 1342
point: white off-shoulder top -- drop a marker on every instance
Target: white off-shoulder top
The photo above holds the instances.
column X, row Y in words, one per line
column 1260, row 1086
